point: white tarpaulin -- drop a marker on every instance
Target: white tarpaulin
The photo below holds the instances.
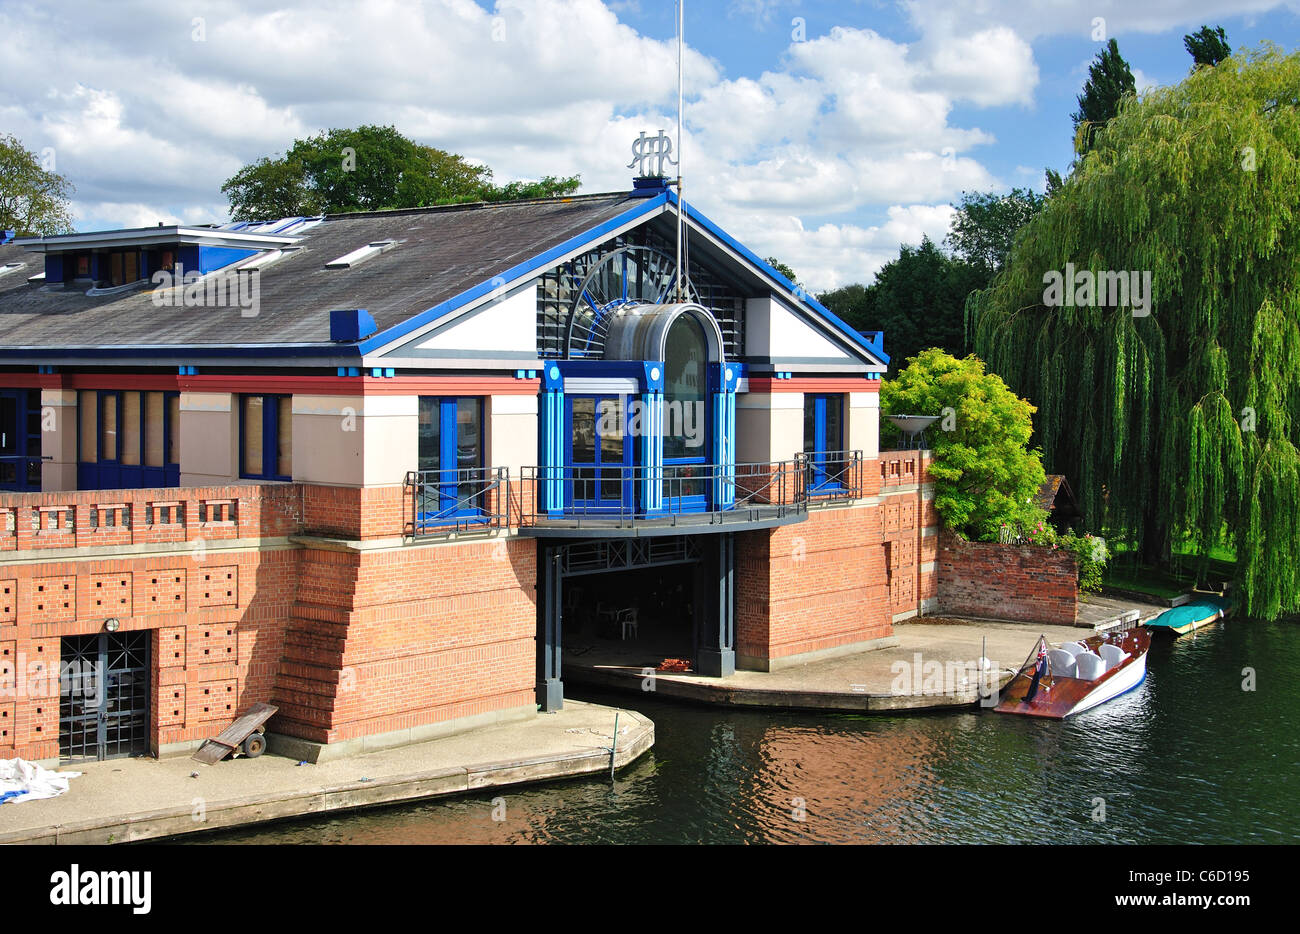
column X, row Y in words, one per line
column 21, row 780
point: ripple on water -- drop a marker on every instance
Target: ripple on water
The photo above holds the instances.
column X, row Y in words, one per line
column 1187, row 757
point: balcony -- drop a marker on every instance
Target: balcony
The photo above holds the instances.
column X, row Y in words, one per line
column 832, row 476
column 642, row 501
column 456, row 502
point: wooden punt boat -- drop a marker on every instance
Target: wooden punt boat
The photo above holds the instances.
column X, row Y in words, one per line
column 1060, row 681
column 1204, row 610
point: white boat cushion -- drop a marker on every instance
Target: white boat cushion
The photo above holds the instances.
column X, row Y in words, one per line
column 1062, row 663
column 1113, row 655
column 1074, row 648
column 1090, row 666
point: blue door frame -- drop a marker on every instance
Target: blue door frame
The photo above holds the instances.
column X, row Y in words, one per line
column 598, row 484
column 457, row 497
column 110, row 473
column 20, row 439
column 824, row 475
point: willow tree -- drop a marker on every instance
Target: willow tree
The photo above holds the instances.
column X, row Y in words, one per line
column 1181, row 424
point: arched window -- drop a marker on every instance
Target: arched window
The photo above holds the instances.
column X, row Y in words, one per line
column 686, row 354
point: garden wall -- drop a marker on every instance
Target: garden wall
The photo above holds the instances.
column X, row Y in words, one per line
column 1025, row 583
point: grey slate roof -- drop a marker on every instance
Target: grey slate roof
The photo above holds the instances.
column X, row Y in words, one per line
column 441, row 253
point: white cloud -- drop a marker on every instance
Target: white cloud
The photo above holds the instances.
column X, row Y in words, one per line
column 849, row 125
column 1032, row 19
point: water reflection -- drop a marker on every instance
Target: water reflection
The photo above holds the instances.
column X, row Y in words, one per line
column 1187, row 757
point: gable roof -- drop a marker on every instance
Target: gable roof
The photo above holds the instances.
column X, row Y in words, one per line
column 440, row 253
column 445, row 259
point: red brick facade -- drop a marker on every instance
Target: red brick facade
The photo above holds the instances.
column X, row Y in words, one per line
column 308, row 597
column 842, row 576
column 1024, row 583
column 347, row 641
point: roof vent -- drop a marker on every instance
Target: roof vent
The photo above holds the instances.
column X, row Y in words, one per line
column 351, row 324
column 359, row 256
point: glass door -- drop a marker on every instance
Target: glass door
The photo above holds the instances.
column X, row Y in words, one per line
column 823, row 442
column 599, row 474
column 20, row 440
column 686, row 416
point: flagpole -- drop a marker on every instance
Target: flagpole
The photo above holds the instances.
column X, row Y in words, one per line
column 681, row 192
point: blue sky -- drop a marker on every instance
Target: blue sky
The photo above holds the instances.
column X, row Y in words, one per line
column 824, row 133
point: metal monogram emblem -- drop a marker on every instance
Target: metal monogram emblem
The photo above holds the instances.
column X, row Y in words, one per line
column 650, row 153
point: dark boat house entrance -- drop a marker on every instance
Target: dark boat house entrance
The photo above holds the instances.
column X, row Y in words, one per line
column 641, row 599
column 104, row 695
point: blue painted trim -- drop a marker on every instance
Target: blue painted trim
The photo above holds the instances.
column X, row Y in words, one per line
column 270, row 435
column 535, row 264
column 795, row 292
column 104, row 474
column 287, row 351
column 551, row 452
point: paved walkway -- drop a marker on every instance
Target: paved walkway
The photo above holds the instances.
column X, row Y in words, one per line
column 934, row 666
column 136, row 799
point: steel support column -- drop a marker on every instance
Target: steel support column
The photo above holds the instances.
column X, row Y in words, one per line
column 550, row 688
column 717, row 651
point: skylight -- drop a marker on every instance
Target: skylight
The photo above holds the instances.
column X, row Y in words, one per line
column 359, row 256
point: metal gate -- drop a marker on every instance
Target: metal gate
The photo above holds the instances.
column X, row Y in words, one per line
column 104, row 695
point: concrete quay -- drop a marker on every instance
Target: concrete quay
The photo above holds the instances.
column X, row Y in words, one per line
column 124, row 800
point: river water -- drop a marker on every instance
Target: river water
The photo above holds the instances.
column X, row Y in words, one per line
column 1189, row 757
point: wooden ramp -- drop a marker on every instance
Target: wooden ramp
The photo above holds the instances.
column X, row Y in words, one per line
column 230, row 739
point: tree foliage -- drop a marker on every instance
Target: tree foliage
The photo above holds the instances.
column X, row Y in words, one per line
column 1207, row 46
column 1109, row 80
column 917, row 300
column 782, row 268
column 985, row 475
column 1182, row 424
column 365, row 169
column 986, row 223
column 33, row 199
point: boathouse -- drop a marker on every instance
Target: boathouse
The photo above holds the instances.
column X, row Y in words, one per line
column 380, row 469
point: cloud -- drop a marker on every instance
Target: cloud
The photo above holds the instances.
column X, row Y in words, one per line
column 150, row 107
column 1032, row 19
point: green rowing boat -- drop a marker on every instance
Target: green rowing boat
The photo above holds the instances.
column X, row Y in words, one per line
column 1202, row 611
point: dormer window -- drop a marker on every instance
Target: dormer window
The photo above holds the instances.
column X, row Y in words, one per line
column 124, row 267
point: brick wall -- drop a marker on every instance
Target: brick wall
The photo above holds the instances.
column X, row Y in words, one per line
column 409, row 636
column 1023, row 583
column 841, row 576
column 348, row 641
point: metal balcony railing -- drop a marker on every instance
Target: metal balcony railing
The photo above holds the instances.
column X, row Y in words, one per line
column 674, row 494
column 446, row 502
column 832, row 476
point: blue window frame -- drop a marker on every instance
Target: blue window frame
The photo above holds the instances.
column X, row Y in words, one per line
column 127, row 439
column 266, row 437
column 20, row 439
column 598, row 457
column 823, row 441
column 686, row 417
column 450, row 452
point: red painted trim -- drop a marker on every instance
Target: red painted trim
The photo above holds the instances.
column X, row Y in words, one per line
column 813, row 384
column 303, row 385
column 31, row 381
